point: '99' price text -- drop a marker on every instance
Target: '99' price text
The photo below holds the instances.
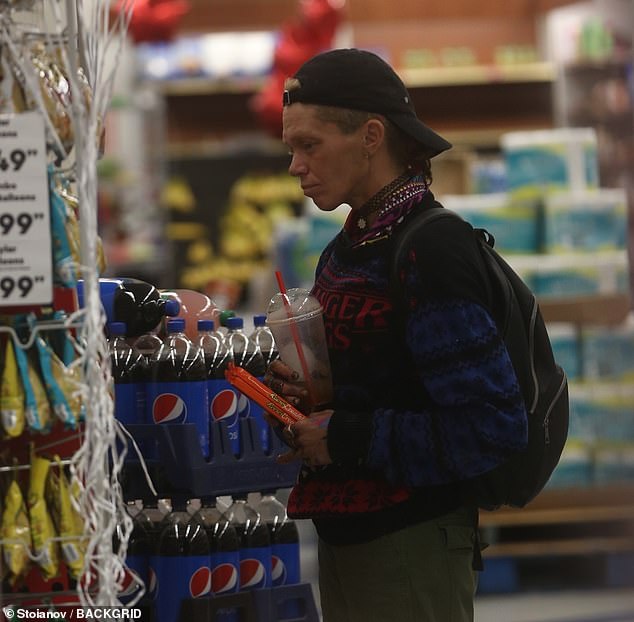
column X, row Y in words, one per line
column 18, row 223
column 21, row 286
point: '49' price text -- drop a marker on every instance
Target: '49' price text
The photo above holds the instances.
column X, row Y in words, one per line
column 14, row 160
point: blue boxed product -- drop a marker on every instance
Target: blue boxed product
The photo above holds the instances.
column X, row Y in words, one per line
column 578, row 274
column 584, row 419
column 608, row 352
column 554, row 160
column 566, row 348
column 513, row 223
column 614, row 462
column 585, row 221
column 575, row 466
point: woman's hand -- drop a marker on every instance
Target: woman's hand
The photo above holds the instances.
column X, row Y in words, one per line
column 308, row 438
column 285, row 382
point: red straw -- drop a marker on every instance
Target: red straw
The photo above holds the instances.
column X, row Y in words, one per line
column 298, row 344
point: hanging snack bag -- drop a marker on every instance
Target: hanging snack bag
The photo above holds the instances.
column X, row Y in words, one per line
column 67, row 520
column 15, row 533
column 42, row 528
column 11, row 393
column 37, row 410
column 63, row 394
column 63, row 262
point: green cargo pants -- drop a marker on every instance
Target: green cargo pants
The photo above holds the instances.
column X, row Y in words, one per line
column 423, row 573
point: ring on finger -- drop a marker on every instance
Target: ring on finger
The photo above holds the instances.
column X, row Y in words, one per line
column 290, row 434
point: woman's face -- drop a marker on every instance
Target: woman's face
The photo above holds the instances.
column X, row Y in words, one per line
column 332, row 167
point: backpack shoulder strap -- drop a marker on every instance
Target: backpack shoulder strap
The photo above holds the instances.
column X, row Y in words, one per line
column 404, row 240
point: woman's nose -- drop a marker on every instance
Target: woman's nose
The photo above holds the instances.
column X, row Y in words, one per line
column 296, row 167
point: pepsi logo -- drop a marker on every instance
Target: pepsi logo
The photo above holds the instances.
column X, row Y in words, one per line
column 224, row 578
column 244, row 405
column 153, row 584
column 200, row 582
column 252, row 574
column 224, row 406
column 169, row 407
column 278, row 571
column 130, row 584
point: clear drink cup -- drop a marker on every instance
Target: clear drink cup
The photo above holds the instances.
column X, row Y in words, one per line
column 297, row 323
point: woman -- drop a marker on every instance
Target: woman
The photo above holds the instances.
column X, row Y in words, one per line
column 426, row 398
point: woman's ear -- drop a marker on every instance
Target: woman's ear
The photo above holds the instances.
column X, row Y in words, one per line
column 373, row 136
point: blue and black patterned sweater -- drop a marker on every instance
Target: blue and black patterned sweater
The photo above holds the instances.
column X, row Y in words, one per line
column 425, row 394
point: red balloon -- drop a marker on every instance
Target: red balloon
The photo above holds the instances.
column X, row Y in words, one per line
column 153, row 20
column 310, row 33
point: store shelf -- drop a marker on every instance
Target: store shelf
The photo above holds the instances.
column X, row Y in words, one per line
column 413, row 78
column 177, row 87
column 565, row 522
column 606, row 309
column 478, row 74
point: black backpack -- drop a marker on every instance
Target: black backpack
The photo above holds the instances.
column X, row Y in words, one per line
column 543, row 383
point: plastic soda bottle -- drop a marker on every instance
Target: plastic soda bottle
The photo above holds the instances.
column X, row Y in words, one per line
column 246, row 355
column 180, row 564
column 177, row 390
column 255, row 545
column 130, row 373
column 223, row 398
column 262, row 337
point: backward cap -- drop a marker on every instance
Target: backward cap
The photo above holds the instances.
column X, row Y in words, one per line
column 360, row 80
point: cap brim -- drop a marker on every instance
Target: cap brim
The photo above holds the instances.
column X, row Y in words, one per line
column 412, row 126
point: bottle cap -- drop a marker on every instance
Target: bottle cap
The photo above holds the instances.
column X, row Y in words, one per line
column 176, row 325
column 259, row 320
column 225, row 315
column 118, row 328
column 234, row 322
column 205, row 325
column 172, row 307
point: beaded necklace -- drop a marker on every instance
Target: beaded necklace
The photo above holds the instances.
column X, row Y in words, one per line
column 376, row 202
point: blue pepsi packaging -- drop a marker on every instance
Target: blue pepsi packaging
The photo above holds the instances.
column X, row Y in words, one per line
column 284, row 537
column 255, row 546
column 177, row 390
column 245, row 354
column 285, row 564
column 130, row 373
column 224, row 400
column 180, row 566
column 224, row 555
column 136, row 575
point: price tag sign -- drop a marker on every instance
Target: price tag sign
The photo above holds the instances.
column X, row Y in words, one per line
column 26, row 265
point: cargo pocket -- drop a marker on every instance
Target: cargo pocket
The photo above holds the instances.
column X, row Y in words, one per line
column 458, row 538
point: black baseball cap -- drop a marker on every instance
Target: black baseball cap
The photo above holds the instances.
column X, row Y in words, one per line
column 360, row 80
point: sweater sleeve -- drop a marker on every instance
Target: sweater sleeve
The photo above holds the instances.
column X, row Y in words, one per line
column 476, row 416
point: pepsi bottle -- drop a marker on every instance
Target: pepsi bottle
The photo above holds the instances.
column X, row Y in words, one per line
column 180, row 565
column 223, row 398
column 246, row 355
column 255, row 545
column 148, row 344
column 284, row 541
column 136, row 579
column 263, row 339
column 130, row 373
column 137, row 303
column 224, row 548
column 177, row 391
